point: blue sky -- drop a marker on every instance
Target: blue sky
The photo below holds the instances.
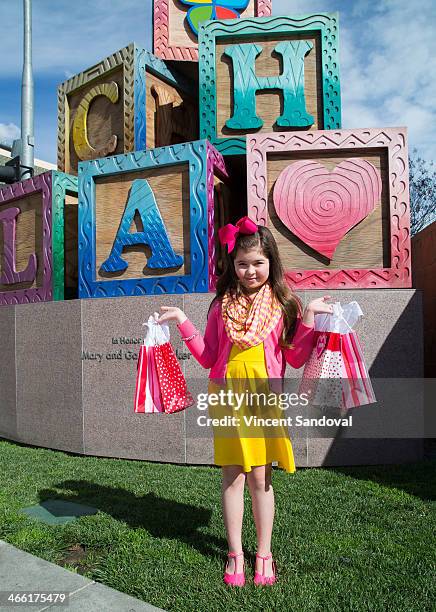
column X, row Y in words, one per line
column 387, row 59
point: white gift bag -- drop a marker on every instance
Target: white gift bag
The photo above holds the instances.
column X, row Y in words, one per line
column 335, row 373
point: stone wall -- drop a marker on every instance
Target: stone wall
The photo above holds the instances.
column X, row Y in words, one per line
column 67, row 379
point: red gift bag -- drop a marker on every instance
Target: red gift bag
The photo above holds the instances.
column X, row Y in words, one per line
column 148, row 398
column 358, row 389
column 147, row 392
column 175, row 395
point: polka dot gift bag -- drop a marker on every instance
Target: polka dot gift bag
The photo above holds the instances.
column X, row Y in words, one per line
column 335, row 373
column 172, row 384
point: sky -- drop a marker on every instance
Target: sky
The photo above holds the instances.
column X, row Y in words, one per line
column 387, row 59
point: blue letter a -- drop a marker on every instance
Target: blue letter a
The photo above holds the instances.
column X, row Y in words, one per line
column 154, row 235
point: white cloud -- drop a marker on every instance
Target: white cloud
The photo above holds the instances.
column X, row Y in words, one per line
column 387, row 51
column 69, row 37
column 386, row 72
column 8, row 133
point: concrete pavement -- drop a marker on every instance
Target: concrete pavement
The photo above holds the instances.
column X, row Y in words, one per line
column 21, row 571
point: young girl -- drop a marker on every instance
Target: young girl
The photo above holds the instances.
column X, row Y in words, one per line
column 255, row 325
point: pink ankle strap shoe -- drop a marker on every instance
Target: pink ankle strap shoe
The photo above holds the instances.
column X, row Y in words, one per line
column 235, row 579
column 261, row 579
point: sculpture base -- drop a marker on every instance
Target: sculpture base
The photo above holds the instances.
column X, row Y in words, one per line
column 67, row 380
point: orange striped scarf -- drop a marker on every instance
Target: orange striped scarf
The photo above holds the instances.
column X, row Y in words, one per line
column 247, row 322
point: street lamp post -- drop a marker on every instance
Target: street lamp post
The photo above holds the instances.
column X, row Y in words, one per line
column 27, row 136
column 24, row 146
column 22, row 156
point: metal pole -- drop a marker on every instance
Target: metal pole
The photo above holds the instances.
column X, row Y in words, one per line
column 27, row 136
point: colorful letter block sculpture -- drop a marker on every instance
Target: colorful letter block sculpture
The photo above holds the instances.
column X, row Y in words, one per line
column 38, row 244
column 167, row 196
column 286, row 78
column 128, row 101
column 176, row 22
column 337, row 203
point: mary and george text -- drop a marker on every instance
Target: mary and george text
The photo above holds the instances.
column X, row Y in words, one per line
column 125, row 353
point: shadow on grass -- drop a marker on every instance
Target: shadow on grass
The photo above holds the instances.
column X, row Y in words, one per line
column 162, row 518
column 417, row 479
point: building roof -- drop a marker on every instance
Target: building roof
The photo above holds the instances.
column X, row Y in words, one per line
column 40, row 165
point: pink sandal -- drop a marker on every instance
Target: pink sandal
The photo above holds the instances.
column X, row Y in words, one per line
column 235, row 579
column 261, row 579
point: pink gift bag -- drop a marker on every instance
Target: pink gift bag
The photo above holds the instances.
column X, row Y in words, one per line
column 335, row 373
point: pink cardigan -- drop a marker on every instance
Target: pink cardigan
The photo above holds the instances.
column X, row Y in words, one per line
column 213, row 350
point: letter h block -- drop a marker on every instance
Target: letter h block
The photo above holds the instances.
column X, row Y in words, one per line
column 38, row 241
column 146, row 221
column 127, row 102
column 287, row 78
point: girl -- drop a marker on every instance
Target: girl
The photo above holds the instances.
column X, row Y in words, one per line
column 255, row 325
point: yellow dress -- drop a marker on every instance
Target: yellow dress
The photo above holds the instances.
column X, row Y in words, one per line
column 242, row 443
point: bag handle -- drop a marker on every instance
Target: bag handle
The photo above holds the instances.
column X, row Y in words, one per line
column 156, row 329
column 346, row 323
column 340, row 313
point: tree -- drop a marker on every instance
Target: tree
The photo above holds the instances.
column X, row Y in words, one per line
column 422, row 192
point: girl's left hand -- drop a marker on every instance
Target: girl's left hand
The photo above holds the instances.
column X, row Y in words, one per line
column 319, row 305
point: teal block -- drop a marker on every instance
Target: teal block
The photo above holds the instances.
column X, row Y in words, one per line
column 246, row 82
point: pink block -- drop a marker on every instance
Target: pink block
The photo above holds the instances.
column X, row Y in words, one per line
column 167, row 35
column 320, row 207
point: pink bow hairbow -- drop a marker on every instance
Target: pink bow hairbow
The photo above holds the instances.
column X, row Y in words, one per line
column 228, row 234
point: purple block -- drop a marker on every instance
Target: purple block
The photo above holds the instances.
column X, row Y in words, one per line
column 36, row 274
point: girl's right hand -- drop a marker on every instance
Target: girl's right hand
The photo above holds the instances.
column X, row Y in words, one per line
column 314, row 307
column 172, row 313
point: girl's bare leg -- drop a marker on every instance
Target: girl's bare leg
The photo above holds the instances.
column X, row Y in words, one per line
column 262, row 496
column 232, row 499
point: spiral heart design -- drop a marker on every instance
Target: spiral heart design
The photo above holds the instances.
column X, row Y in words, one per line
column 319, row 206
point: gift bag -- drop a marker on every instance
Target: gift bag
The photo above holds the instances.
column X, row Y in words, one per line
column 175, row 395
column 335, row 373
column 148, row 397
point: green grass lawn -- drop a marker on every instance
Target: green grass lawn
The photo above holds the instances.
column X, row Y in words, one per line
column 360, row 538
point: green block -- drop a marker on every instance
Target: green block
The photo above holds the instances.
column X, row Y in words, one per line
column 62, row 184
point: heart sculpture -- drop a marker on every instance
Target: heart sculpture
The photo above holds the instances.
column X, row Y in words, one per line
column 319, row 206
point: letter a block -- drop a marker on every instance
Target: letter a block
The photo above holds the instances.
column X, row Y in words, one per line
column 38, row 239
column 286, row 78
column 146, row 221
column 129, row 101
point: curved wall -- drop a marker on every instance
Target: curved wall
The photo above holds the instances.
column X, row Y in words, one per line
column 58, row 388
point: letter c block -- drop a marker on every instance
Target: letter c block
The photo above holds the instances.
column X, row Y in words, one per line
column 127, row 102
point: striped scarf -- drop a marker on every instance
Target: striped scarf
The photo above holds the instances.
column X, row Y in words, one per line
column 247, row 322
